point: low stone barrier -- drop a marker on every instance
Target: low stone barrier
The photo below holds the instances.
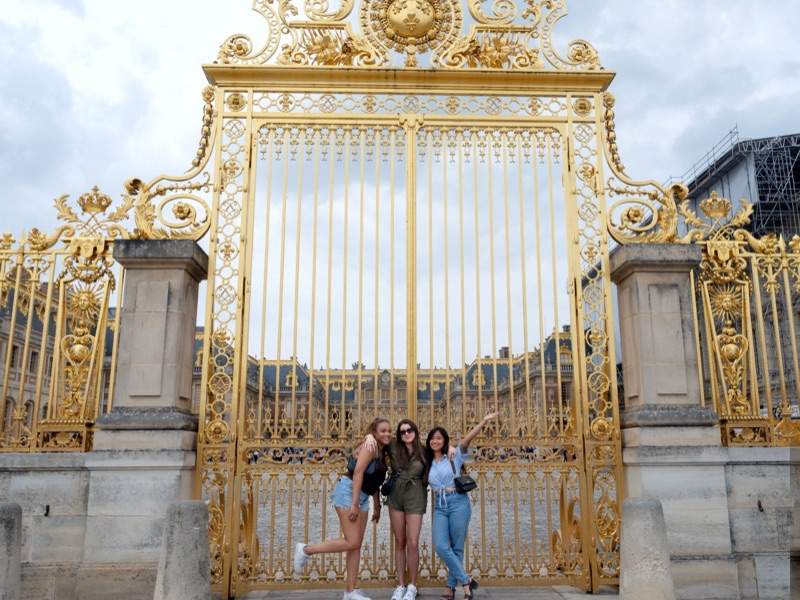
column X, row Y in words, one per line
column 184, row 565
column 10, row 551
column 645, row 570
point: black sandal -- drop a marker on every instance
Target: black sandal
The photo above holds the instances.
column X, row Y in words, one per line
column 452, row 595
column 471, row 586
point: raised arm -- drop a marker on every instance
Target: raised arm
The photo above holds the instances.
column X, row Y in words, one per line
column 470, row 435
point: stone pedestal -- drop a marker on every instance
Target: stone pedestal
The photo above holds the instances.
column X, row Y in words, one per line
column 645, row 570
column 144, row 450
column 10, row 551
column 184, row 566
column 671, row 445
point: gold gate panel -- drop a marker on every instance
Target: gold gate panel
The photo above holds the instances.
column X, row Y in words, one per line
column 427, row 240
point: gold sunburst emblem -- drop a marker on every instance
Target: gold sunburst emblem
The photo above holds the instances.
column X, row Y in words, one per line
column 726, row 302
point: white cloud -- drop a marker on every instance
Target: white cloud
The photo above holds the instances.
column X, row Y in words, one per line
column 97, row 91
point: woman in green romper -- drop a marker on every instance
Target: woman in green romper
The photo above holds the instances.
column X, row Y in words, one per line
column 407, row 503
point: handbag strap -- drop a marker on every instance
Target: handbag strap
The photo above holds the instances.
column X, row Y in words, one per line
column 453, row 466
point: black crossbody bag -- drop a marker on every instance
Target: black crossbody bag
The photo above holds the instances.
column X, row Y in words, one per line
column 464, row 483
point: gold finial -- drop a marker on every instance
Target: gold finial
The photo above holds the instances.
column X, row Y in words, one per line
column 94, row 201
column 715, row 206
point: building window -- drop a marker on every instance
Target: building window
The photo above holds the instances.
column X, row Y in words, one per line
column 34, row 362
column 14, row 356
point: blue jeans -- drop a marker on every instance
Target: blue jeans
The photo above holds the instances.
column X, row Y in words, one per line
column 451, row 516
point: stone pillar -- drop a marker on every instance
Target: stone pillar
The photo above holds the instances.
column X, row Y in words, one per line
column 144, row 450
column 184, row 564
column 671, row 444
column 10, row 551
column 644, row 555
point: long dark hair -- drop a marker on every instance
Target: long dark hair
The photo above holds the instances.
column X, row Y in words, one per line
column 404, row 456
column 445, row 446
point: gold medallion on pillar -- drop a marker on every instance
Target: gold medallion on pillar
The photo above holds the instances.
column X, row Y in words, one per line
column 410, row 26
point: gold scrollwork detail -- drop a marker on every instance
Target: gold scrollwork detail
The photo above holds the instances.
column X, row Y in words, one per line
column 507, row 34
column 239, row 49
column 645, row 212
column 330, row 45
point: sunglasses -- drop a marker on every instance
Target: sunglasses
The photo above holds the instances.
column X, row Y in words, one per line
column 405, row 431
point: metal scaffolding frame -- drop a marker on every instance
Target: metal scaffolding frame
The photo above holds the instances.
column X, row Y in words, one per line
column 775, row 165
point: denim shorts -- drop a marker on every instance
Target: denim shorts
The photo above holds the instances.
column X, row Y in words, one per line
column 343, row 495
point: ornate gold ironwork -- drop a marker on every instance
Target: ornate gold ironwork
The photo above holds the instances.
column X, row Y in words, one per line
column 747, row 288
column 57, row 290
column 510, row 35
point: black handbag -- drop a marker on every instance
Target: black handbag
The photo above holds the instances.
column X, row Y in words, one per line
column 388, row 486
column 463, row 483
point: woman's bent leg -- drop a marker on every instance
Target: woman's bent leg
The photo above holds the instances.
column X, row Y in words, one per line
column 413, row 528
column 398, row 520
column 350, row 543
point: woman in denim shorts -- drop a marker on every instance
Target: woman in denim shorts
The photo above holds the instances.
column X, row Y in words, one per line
column 366, row 471
column 452, row 510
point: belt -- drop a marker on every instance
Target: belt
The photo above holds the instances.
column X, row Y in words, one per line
column 447, row 490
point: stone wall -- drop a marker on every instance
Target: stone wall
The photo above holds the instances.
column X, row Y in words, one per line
column 92, row 522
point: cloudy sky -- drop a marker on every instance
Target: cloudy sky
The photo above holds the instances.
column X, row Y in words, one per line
column 97, row 91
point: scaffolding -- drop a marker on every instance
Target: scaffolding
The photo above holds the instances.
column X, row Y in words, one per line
column 773, row 178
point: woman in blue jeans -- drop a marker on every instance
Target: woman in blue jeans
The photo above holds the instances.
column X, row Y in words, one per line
column 452, row 510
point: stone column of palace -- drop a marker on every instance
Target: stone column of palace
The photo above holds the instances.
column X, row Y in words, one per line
column 671, row 444
column 144, row 449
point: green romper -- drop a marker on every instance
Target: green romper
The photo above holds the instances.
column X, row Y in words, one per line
column 410, row 493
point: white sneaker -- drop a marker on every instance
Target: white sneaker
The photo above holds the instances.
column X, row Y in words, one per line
column 357, row 594
column 300, row 557
column 411, row 592
column 399, row 592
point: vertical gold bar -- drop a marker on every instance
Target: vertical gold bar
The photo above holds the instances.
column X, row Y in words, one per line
column 48, row 307
column 701, row 379
column 331, row 189
column 342, row 415
column 359, row 390
column 429, row 160
column 26, row 343
column 507, row 235
column 446, row 200
column 11, row 331
column 115, row 345
column 317, row 141
column 298, row 229
column 543, row 429
column 777, row 333
column 460, row 183
column 392, row 151
column 747, row 329
column 411, row 127
column 493, row 287
column 97, row 357
column 479, row 365
column 761, row 335
column 52, row 400
column 265, row 287
column 557, row 322
column 279, row 336
column 792, row 328
column 376, row 332
column 524, row 287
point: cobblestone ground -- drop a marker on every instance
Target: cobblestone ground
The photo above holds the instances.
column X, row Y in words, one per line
column 497, row 593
